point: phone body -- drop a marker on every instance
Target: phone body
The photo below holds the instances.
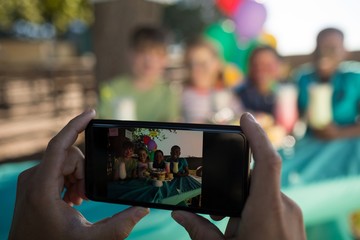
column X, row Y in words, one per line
column 206, row 172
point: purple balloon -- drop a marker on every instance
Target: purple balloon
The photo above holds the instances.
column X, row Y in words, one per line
column 151, row 145
column 249, row 19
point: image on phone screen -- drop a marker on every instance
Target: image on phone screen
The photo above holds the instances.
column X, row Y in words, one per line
column 204, row 171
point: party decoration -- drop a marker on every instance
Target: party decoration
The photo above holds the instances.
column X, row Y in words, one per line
column 223, row 36
column 242, row 54
column 228, row 7
column 154, row 133
column 151, row 145
column 152, row 155
column 268, row 39
column 146, row 139
column 249, row 19
column 232, row 75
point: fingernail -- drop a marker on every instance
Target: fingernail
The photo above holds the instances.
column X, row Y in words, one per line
column 178, row 217
column 251, row 117
column 91, row 111
column 142, row 212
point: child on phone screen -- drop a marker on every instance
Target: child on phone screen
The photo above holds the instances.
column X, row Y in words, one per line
column 159, row 159
column 183, row 169
column 143, row 162
column 126, row 157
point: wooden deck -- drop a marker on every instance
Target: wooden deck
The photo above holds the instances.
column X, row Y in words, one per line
column 36, row 102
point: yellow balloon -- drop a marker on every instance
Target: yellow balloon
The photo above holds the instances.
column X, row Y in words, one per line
column 268, row 39
column 232, row 75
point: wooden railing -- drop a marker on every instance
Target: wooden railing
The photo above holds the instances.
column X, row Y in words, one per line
column 36, row 101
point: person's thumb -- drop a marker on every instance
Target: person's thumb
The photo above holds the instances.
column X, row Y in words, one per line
column 197, row 226
column 120, row 225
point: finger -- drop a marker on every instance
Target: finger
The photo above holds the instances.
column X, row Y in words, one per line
column 232, row 228
column 120, row 225
column 74, row 196
column 294, row 214
column 80, row 185
column 74, row 163
column 265, row 180
column 56, row 151
column 197, row 226
column 291, row 206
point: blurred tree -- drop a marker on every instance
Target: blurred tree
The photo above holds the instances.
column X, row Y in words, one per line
column 60, row 13
column 188, row 18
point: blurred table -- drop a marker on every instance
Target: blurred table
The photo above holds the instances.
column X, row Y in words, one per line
column 327, row 206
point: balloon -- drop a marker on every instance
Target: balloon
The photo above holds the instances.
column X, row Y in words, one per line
column 146, row 139
column 228, row 7
column 151, row 156
column 232, row 75
column 222, row 34
column 151, row 145
column 249, row 19
column 242, row 54
column 268, row 39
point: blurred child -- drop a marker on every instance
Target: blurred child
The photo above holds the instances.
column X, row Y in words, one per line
column 204, row 96
column 257, row 94
column 332, row 150
column 144, row 95
column 143, row 162
column 159, row 159
column 329, row 67
column 126, row 158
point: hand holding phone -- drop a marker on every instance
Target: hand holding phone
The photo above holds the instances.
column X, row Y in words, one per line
column 194, row 167
column 41, row 213
column 268, row 213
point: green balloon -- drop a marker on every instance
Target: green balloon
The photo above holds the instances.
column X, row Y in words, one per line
column 242, row 54
column 231, row 50
column 151, row 156
column 223, row 37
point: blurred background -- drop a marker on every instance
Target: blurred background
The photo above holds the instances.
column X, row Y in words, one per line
column 58, row 57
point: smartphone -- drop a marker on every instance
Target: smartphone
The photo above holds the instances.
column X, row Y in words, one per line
column 195, row 167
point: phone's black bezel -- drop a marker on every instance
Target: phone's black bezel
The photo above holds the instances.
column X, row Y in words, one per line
column 164, row 125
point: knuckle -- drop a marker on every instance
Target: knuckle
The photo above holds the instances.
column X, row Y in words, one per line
column 275, row 162
column 293, row 208
column 52, row 144
column 123, row 232
column 297, row 212
column 24, row 178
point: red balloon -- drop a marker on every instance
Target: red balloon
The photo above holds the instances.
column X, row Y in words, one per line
column 146, row 139
column 228, row 7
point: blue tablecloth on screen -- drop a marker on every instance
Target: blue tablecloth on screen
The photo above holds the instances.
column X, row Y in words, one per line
column 142, row 190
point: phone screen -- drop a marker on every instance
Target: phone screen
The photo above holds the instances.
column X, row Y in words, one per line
column 201, row 168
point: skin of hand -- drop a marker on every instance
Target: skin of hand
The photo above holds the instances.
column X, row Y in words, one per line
column 332, row 132
column 41, row 212
column 268, row 214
